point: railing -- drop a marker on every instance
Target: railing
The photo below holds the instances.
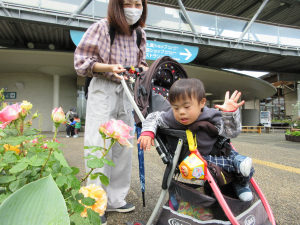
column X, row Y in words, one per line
column 164, row 17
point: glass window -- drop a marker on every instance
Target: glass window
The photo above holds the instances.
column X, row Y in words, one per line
column 230, row 27
column 203, row 23
column 289, row 36
column 23, row 2
column 100, row 8
column 163, row 17
column 61, row 5
column 263, row 33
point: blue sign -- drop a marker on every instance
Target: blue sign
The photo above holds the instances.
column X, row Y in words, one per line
column 76, row 36
column 181, row 53
column 155, row 49
column 10, row 95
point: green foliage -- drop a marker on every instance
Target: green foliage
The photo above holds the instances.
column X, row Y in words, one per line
column 293, row 133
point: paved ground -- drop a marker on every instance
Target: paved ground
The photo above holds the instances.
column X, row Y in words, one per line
column 276, row 162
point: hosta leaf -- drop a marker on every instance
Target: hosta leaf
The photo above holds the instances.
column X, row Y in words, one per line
column 39, row 202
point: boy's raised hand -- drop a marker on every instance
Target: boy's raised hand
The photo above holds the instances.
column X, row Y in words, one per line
column 230, row 104
column 145, row 142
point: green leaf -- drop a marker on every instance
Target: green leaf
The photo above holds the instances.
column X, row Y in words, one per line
column 11, row 132
column 91, row 157
column 18, row 167
column 7, row 179
column 95, row 163
column 56, row 167
column 94, row 176
column 10, row 157
column 39, row 202
column 72, row 223
column 75, row 170
column 79, row 196
column 73, row 182
column 88, row 201
column 108, row 162
column 93, row 217
column 61, row 180
column 25, row 174
column 17, row 184
column 66, row 170
column 77, row 207
column 37, row 162
column 4, row 196
column 104, row 179
column 30, row 132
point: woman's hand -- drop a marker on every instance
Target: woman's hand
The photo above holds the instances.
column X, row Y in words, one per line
column 231, row 105
column 118, row 68
column 145, row 142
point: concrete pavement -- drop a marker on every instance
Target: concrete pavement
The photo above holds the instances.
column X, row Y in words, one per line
column 276, row 162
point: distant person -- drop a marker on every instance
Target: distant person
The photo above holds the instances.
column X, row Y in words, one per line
column 77, row 125
column 70, row 118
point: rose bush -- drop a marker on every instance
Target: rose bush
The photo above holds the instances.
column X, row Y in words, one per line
column 28, row 162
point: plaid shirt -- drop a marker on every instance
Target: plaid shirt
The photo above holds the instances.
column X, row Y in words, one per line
column 95, row 48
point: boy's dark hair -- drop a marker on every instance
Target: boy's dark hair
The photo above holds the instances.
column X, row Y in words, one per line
column 187, row 88
column 76, row 116
column 116, row 17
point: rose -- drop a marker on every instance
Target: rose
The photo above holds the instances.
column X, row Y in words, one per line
column 118, row 130
column 58, row 115
column 8, row 147
column 97, row 193
column 3, row 125
column 9, row 113
column 26, row 105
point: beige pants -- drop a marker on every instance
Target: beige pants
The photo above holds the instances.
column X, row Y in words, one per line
column 106, row 101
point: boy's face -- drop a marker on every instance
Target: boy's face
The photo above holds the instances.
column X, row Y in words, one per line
column 186, row 111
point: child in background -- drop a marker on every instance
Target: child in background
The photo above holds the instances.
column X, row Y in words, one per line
column 77, row 124
column 187, row 98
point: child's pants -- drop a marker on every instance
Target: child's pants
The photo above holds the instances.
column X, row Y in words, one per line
column 226, row 163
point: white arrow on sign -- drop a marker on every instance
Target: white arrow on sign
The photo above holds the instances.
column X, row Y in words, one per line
column 188, row 54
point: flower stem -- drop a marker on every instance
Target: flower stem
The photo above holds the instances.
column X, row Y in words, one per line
column 54, row 137
column 50, row 151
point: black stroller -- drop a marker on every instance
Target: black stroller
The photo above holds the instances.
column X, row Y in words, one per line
column 217, row 202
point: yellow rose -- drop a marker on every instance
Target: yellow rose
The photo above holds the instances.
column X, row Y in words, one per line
column 12, row 148
column 97, row 193
column 26, row 105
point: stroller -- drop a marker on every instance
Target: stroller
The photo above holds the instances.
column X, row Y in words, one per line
column 215, row 202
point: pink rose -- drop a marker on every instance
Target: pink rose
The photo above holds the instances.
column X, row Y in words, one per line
column 3, row 125
column 9, row 113
column 45, row 146
column 118, row 130
column 58, row 115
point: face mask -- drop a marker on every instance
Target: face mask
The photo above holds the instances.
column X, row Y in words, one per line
column 132, row 15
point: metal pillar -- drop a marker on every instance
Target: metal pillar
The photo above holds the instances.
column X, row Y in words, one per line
column 251, row 21
column 189, row 20
column 55, row 94
column 80, row 8
column 298, row 97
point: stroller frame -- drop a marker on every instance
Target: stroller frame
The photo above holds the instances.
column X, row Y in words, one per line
column 172, row 163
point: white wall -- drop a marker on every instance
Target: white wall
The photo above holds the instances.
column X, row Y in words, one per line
column 290, row 98
column 39, row 91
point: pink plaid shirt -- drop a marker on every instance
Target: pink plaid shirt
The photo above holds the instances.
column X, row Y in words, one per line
column 95, row 47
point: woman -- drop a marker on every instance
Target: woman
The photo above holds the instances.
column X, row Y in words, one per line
column 107, row 100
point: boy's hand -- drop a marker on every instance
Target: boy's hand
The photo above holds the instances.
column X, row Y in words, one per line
column 145, row 142
column 231, row 105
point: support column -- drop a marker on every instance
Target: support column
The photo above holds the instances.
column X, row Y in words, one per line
column 298, row 98
column 55, row 94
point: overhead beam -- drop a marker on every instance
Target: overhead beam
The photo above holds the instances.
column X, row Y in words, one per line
column 188, row 19
column 6, row 12
column 80, row 8
column 251, row 21
column 275, row 12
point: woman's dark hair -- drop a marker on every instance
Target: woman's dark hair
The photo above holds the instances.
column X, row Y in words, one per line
column 116, row 17
column 187, row 88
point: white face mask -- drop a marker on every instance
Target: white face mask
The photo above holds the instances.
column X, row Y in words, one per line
column 132, row 15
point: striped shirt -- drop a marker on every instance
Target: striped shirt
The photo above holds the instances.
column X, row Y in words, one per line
column 94, row 47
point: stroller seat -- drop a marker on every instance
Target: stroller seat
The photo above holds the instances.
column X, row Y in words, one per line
column 220, row 204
